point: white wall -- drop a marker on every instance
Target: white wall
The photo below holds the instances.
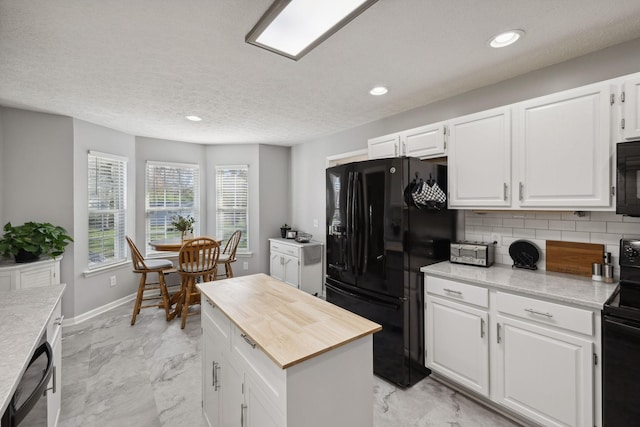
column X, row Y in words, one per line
column 95, row 291
column 308, row 159
column 1, row 168
column 37, row 174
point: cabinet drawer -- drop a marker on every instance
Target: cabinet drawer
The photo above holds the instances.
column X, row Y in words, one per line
column 54, row 327
column 285, row 249
column 458, row 291
column 217, row 321
column 269, row 377
column 549, row 313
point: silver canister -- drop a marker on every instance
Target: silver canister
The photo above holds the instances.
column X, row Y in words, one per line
column 608, row 273
column 596, row 272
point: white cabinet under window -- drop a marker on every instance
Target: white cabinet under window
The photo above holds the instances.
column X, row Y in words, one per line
column 298, row 264
column 479, row 159
column 29, row 275
column 423, row 142
column 562, row 149
column 630, row 99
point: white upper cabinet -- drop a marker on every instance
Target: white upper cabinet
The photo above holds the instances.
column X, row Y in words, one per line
column 384, row 146
column 422, row 142
column 561, row 149
column 479, row 162
column 631, row 107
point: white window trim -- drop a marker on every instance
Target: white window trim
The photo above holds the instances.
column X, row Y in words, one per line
column 240, row 252
column 116, row 263
column 197, row 205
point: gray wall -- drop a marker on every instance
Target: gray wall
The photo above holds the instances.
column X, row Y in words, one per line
column 1, row 167
column 275, row 198
column 37, row 174
column 93, row 290
column 308, row 159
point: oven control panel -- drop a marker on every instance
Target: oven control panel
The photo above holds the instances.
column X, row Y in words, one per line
column 630, row 253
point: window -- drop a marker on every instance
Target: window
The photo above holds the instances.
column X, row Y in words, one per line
column 232, row 203
column 107, row 177
column 171, row 189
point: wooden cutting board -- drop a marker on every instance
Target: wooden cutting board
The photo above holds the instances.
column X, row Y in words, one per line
column 573, row 257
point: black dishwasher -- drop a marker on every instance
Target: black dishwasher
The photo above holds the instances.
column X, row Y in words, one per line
column 28, row 406
column 621, row 343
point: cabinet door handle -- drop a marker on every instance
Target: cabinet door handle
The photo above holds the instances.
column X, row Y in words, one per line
column 452, row 291
column 53, row 386
column 506, row 192
column 498, row 334
column 521, row 191
column 210, row 303
column 532, row 311
column 243, row 408
column 481, row 328
column 59, row 320
column 248, row 340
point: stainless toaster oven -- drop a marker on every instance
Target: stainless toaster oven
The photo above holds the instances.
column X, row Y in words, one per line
column 473, row 253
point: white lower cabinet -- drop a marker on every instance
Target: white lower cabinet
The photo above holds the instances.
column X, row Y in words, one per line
column 297, row 264
column 29, row 275
column 533, row 357
column 457, row 343
column 243, row 387
column 544, row 374
column 54, row 391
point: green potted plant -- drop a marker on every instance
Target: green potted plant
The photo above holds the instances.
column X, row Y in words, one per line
column 283, row 230
column 27, row 242
column 183, row 224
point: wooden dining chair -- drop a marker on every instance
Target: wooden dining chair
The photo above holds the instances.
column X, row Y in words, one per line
column 228, row 255
column 197, row 259
column 145, row 266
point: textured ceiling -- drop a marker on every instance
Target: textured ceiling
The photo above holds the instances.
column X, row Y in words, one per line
column 140, row 66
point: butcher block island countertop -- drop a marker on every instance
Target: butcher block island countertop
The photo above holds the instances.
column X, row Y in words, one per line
column 289, row 325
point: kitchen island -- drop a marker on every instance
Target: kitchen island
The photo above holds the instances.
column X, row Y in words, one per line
column 27, row 315
column 276, row 356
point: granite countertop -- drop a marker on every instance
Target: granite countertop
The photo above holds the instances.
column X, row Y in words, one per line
column 294, row 242
column 25, row 314
column 566, row 288
column 289, row 325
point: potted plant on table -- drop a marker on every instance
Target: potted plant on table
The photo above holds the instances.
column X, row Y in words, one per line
column 183, row 224
column 27, row 242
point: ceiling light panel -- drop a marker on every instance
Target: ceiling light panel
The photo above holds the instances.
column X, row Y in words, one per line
column 505, row 39
column 293, row 27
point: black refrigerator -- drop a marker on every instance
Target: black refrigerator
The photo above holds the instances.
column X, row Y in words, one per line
column 377, row 240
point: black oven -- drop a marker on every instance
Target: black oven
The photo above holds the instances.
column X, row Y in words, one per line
column 628, row 178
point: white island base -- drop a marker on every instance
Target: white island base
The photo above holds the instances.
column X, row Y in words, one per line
column 276, row 356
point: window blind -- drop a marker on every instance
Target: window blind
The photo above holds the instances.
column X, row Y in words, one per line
column 107, row 178
column 232, row 203
column 171, row 189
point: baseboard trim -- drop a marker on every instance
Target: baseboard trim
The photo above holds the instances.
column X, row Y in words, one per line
column 98, row 311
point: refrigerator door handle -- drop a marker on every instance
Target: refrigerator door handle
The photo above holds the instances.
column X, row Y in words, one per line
column 349, row 230
column 362, row 297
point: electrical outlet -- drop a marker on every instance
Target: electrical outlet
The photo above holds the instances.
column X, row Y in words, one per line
column 495, row 237
column 112, row 281
column 245, row 265
column 315, row 222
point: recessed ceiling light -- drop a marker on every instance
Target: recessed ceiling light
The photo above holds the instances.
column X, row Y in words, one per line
column 293, row 27
column 378, row 90
column 193, row 118
column 506, row 38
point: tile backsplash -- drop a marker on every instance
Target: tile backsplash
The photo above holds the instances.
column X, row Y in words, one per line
column 537, row 227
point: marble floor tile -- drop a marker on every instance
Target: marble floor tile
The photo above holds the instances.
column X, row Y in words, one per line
column 150, row 374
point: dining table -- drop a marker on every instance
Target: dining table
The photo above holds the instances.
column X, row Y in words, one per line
column 173, row 244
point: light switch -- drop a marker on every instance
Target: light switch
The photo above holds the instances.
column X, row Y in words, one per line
column 315, row 222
